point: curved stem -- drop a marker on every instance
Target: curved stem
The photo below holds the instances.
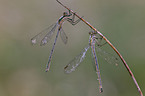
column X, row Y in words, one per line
column 111, row 45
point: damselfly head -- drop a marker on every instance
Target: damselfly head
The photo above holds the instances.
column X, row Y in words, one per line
column 65, row 13
column 92, row 32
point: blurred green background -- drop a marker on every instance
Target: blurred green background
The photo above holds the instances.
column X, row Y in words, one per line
column 22, row 66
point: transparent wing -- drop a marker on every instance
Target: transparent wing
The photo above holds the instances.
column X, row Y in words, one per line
column 48, row 35
column 100, row 43
column 63, row 36
column 44, row 36
column 108, row 56
column 71, row 66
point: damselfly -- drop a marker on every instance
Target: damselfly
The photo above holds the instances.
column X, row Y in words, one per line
column 95, row 31
column 44, row 36
column 95, row 42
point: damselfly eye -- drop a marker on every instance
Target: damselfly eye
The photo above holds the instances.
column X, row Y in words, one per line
column 65, row 13
column 91, row 33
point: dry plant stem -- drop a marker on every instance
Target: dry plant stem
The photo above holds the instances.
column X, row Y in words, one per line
column 95, row 30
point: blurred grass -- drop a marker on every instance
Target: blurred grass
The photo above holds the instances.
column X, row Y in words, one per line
column 22, row 66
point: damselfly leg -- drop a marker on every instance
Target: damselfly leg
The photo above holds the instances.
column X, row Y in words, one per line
column 71, row 20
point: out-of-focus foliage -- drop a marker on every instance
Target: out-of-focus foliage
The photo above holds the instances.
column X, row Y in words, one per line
column 22, row 66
